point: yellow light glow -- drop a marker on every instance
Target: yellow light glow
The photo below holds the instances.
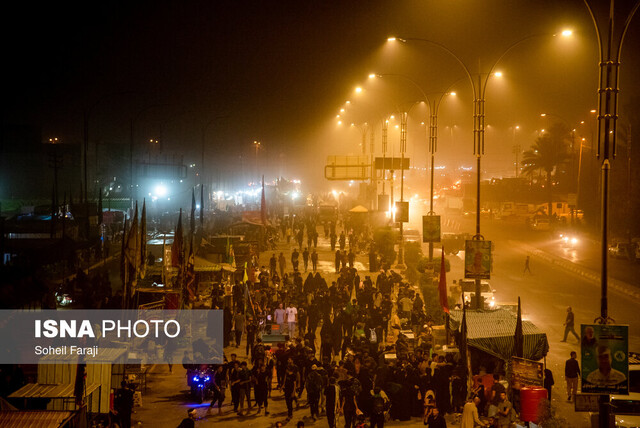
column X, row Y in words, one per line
column 517, row 126
column 358, row 90
column 339, row 122
column 341, row 110
column 566, row 33
column 338, row 116
column 372, row 76
column 543, row 114
column 391, row 39
column 593, row 111
column 453, row 94
column 392, row 117
column 498, row 74
column 348, row 102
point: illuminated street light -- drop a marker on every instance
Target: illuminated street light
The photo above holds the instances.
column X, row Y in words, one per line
column 479, row 95
column 358, row 89
column 566, row 33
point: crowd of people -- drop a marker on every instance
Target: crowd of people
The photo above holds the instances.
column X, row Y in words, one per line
column 360, row 346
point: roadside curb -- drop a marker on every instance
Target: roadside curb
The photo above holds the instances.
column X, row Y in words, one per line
column 590, row 275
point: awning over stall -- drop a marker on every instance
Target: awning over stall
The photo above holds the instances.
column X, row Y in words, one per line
column 493, row 332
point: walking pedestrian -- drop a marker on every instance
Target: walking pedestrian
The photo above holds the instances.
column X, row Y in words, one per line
column 526, row 265
column 261, row 388
column 238, row 325
column 571, row 374
column 314, row 260
column 337, row 260
column 295, row 259
column 569, row 325
column 219, row 388
column 291, row 382
column 305, row 258
column 278, row 318
column 291, row 314
column 332, row 393
column 314, row 389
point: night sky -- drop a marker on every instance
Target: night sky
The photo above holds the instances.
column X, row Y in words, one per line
column 279, row 71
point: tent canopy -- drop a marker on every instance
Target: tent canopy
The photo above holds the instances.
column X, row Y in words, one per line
column 493, row 332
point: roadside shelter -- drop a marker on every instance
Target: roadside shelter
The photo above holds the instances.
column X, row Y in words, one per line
column 493, row 332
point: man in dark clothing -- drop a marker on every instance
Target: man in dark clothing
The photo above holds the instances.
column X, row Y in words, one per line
column 294, row 259
column 314, row 260
column 251, row 329
column 548, row 382
column 349, row 390
column 337, row 260
column 189, row 421
column 569, row 325
column 123, row 403
column 436, row 420
column 343, row 241
column 239, row 321
column 290, row 384
column 351, row 258
column 314, row 389
column 305, row 258
column 333, row 241
column 571, row 374
column 331, row 395
column 496, row 389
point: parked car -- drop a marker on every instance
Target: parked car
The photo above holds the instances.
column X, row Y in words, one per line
column 621, row 250
column 468, row 289
column 541, row 224
column 626, row 408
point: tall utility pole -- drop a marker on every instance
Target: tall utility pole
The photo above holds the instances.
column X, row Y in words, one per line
column 403, row 149
column 610, row 39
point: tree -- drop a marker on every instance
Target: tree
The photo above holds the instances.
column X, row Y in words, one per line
column 548, row 153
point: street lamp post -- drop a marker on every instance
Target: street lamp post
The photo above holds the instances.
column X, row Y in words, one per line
column 257, row 145
column 610, row 39
column 516, row 148
column 434, row 105
column 479, row 94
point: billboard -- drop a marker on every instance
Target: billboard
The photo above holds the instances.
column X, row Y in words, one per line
column 431, row 228
column 346, row 168
column 604, row 349
column 526, row 373
column 402, row 212
column 477, row 259
column 392, row 164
